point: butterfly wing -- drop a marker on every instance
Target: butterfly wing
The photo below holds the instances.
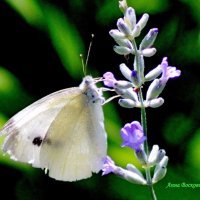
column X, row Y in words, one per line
column 63, row 132
column 26, row 130
column 75, row 142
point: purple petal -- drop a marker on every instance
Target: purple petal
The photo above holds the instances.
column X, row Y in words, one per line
column 172, row 72
column 108, row 166
column 109, row 79
column 132, row 135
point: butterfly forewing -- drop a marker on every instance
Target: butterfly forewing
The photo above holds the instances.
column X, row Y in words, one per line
column 26, row 130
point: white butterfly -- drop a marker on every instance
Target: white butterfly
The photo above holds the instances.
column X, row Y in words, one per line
column 62, row 132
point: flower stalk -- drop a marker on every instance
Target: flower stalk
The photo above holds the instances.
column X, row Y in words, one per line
column 134, row 134
column 144, row 125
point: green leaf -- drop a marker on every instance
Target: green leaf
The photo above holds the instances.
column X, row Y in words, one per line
column 30, row 10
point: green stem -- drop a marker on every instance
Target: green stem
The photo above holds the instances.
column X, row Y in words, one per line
column 136, row 58
column 144, row 125
column 144, row 121
column 139, row 67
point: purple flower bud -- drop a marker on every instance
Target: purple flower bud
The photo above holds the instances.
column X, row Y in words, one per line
column 134, row 78
column 123, row 27
column 160, row 170
column 123, row 84
column 130, row 17
column 134, row 73
column 148, row 52
column 127, row 103
column 136, row 31
column 122, row 50
column 149, row 39
column 153, row 74
column 125, row 71
column 141, row 156
column 116, row 34
column 143, row 21
column 133, row 169
column 155, row 103
column 153, row 155
column 154, row 90
column 133, row 135
column 125, row 43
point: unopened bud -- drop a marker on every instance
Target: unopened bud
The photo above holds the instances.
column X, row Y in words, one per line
column 125, row 71
column 143, row 21
column 160, row 170
column 130, row 17
column 130, row 94
column 141, row 156
column 132, row 177
column 123, row 5
column 123, row 84
column 116, row 34
column 153, row 74
column 136, row 31
column 134, row 169
column 123, row 27
column 124, row 42
column 149, row 39
column 155, row 103
column 135, row 79
column 155, row 88
column 127, row 103
column 152, row 159
column 149, row 52
column 122, row 50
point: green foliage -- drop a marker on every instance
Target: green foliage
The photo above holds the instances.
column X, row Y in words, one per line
column 151, row 7
column 192, row 157
column 66, row 40
column 11, row 91
column 30, row 10
column 177, row 128
column 64, row 36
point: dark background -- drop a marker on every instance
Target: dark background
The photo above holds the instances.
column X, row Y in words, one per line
column 40, row 43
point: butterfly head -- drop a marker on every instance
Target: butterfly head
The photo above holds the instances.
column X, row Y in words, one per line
column 89, row 88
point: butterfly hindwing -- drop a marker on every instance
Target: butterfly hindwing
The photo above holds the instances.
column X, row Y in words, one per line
column 74, row 147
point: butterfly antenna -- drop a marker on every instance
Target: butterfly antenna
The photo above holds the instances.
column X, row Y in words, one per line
column 87, row 58
column 83, row 64
column 89, row 49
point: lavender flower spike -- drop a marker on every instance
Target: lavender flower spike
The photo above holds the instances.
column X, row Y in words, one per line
column 133, row 135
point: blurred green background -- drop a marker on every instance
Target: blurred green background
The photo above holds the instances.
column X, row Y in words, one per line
column 40, row 44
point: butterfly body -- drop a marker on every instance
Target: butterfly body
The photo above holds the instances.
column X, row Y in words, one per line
column 62, row 132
